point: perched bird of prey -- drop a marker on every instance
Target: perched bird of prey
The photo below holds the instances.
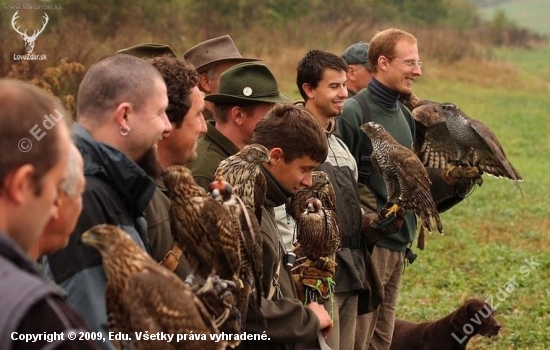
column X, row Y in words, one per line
column 142, row 296
column 325, row 192
column 250, row 246
column 404, row 175
column 317, row 231
column 466, row 141
column 202, row 226
column 318, row 238
column 243, row 171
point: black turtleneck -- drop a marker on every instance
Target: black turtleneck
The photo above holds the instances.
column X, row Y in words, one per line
column 386, row 96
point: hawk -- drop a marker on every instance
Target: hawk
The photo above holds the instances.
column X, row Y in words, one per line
column 250, row 245
column 325, row 192
column 404, row 175
column 142, row 296
column 243, row 172
column 202, row 226
column 465, row 141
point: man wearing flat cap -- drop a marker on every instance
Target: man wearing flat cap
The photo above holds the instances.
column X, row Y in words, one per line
column 359, row 69
column 247, row 91
column 211, row 58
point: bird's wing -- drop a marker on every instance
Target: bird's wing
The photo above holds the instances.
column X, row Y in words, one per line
column 492, row 159
column 415, row 184
column 161, row 304
column 223, row 237
column 260, row 192
column 438, row 147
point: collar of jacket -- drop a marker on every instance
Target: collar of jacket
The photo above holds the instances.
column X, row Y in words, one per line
column 214, row 136
column 115, row 168
column 276, row 194
column 13, row 252
column 387, row 97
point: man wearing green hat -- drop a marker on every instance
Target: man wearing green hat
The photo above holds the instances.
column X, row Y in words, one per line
column 246, row 92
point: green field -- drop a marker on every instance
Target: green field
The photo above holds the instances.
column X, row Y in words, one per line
column 532, row 14
column 489, row 235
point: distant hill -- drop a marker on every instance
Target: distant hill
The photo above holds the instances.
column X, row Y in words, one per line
column 531, row 14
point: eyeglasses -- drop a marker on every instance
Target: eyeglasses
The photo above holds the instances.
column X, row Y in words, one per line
column 411, row 63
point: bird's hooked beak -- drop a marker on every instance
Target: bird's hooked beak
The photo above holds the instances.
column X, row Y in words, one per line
column 90, row 238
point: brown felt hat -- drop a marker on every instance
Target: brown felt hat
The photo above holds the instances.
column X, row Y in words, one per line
column 248, row 82
column 213, row 51
column 148, row 50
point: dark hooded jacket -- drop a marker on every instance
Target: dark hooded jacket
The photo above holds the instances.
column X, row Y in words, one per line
column 117, row 193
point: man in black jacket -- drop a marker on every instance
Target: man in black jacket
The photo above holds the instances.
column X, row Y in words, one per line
column 120, row 119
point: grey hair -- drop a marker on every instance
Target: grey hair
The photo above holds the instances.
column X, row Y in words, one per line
column 69, row 185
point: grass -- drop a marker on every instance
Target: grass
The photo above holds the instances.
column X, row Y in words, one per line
column 490, row 234
column 532, row 14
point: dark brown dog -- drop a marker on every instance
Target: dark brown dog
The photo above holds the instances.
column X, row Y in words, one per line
column 449, row 333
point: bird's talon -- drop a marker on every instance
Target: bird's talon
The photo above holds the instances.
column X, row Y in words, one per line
column 392, row 210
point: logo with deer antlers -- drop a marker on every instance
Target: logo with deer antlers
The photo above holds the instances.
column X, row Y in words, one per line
column 29, row 40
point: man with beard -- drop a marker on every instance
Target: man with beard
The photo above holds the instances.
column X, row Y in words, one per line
column 179, row 147
column 120, row 119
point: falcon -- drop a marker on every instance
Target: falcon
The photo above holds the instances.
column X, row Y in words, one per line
column 317, row 231
column 457, row 138
column 321, row 185
column 319, row 239
column 243, row 172
column 250, row 246
column 404, row 175
column 142, row 296
column 202, row 226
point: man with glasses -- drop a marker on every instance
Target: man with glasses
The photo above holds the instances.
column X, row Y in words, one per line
column 393, row 55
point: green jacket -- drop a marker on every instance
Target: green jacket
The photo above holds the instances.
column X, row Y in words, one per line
column 394, row 121
column 159, row 233
column 212, row 148
column 373, row 192
column 288, row 320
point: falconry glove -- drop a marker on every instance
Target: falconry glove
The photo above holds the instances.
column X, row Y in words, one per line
column 462, row 178
column 382, row 226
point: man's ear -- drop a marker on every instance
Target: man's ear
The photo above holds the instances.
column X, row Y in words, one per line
column 19, row 184
column 383, row 63
column 236, row 115
column 276, row 155
column 204, row 83
column 351, row 72
column 308, row 90
column 123, row 115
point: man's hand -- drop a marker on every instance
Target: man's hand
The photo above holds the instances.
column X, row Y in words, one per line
column 382, row 226
column 325, row 323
